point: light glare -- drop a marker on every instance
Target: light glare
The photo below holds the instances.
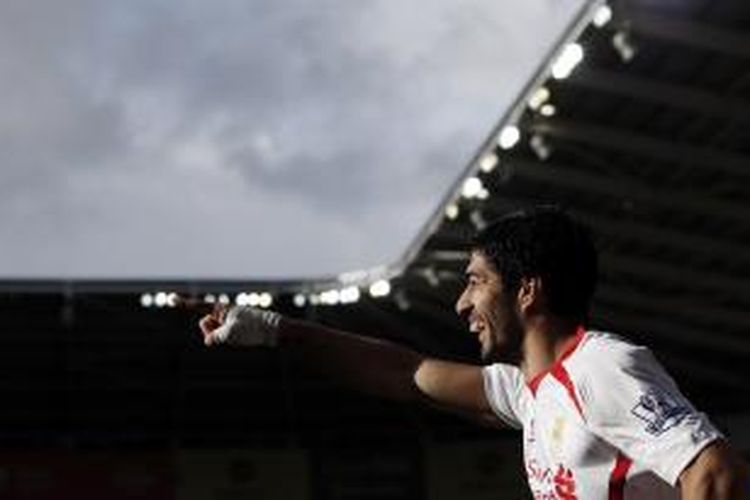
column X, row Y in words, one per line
column 299, row 300
column 241, row 299
column 571, row 55
column 330, row 297
column 147, row 300
column 349, row 295
column 265, row 300
column 380, row 288
column 602, row 16
column 451, row 211
column 472, row 187
column 548, row 110
column 488, row 162
column 509, row 136
column 539, row 97
column 161, row 299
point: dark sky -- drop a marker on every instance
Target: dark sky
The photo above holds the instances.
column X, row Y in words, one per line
column 232, row 139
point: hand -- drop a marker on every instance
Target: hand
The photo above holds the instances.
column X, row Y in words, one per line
column 240, row 325
column 211, row 322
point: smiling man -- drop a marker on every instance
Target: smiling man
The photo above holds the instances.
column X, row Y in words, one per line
column 601, row 419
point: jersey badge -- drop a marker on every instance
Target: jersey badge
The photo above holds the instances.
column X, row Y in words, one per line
column 660, row 411
column 558, row 430
column 557, row 438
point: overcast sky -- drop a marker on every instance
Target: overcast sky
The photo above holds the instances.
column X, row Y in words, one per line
column 244, row 138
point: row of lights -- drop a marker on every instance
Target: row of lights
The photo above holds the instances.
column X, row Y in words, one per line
column 159, row 299
column 346, row 295
column 539, row 101
column 165, row 299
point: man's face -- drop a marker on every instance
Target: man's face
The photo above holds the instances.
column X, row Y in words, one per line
column 490, row 311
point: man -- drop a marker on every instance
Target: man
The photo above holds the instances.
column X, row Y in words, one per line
column 600, row 417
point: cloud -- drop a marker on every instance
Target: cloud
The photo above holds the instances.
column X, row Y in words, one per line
column 135, row 132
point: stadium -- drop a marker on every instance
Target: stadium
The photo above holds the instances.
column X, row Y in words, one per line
column 635, row 119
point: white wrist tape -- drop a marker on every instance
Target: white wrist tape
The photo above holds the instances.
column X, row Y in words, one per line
column 247, row 326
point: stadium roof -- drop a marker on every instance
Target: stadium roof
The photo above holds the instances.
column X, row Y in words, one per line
column 649, row 143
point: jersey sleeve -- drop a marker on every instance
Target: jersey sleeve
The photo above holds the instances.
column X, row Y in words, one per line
column 504, row 388
column 630, row 401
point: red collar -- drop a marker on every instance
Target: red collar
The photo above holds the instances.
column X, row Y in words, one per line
column 570, row 345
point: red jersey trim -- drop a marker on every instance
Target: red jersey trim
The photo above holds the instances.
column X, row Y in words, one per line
column 570, row 346
column 618, row 477
column 561, row 374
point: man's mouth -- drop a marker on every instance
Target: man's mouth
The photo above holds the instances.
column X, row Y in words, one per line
column 476, row 325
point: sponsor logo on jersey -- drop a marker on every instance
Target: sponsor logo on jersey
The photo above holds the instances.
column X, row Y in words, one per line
column 551, row 484
column 660, row 410
column 565, row 484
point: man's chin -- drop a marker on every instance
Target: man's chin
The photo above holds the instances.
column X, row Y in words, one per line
column 498, row 354
column 491, row 355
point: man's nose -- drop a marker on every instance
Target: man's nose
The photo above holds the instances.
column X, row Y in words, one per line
column 463, row 304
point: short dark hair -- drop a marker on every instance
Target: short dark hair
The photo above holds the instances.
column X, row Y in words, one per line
column 547, row 243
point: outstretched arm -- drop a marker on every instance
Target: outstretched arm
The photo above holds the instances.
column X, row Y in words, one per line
column 370, row 365
column 366, row 364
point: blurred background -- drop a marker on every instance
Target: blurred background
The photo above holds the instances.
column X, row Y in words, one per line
column 329, row 161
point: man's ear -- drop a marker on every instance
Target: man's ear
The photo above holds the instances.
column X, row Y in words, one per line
column 529, row 294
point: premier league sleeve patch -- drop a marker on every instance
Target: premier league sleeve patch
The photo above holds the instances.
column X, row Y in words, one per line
column 660, row 411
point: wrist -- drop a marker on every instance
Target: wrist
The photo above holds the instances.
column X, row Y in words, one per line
column 248, row 326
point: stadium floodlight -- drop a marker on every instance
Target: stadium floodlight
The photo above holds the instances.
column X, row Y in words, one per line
column 472, row 187
column 380, row 288
column 224, row 299
column 160, row 299
column 508, row 137
column 539, row 97
column 265, row 300
column 330, row 297
column 147, row 300
column 349, row 295
column 299, row 299
column 451, row 211
column 488, row 162
column 548, row 110
column 602, row 16
column 241, row 299
column 172, row 299
column 483, row 194
column 566, row 62
column 209, row 298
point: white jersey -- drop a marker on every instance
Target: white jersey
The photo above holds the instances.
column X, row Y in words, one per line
column 604, row 422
